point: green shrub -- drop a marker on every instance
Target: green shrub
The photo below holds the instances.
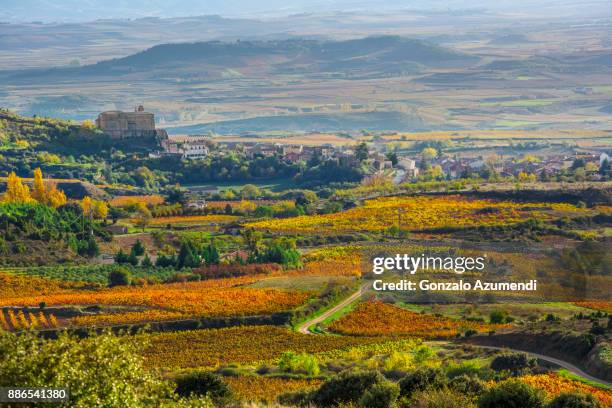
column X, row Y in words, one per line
column 574, row 400
column 511, row 394
column 298, row 363
column 467, row 385
column 512, row 362
column 119, row 277
column 498, row 317
column 202, row 383
column 347, row 387
column 381, row 395
column 421, row 379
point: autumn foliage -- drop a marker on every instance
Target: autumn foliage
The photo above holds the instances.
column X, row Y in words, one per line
column 553, row 384
column 377, row 318
column 418, row 213
column 168, row 302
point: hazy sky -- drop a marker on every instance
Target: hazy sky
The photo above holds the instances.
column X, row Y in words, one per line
column 87, row 10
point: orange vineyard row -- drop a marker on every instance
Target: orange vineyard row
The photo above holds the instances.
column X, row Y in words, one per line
column 553, row 384
column 183, row 299
column 377, row 318
column 267, row 389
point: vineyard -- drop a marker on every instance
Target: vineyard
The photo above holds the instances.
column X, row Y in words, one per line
column 127, row 201
column 602, row 305
column 253, row 388
column 380, row 319
column 170, row 301
column 19, row 286
column 553, row 384
column 421, row 213
column 20, row 320
column 242, row 345
column 194, row 219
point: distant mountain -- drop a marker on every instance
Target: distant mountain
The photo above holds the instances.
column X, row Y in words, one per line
column 88, row 10
column 370, row 56
column 335, row 122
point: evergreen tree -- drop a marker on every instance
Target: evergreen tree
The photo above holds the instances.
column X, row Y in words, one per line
column 121, row 257
column 146, row 262
column 187, row 257
column 211, row 254
column 138, row 249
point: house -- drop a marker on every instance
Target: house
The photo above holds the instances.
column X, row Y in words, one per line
column 409, row 166
column 187, row 147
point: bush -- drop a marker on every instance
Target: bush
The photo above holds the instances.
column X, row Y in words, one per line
column 119, row 277
column 511, row 394
column 574, row 400
column 512, row 362
column 347, row 387
column 421, row 379
column 467, row 385
column 498, row 317
column 298, row 363
column 202, row 383
column 444, row 397
column 382, row 395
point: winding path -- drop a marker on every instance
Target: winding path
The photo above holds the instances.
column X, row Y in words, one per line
column 307, row 325
column 563, row 364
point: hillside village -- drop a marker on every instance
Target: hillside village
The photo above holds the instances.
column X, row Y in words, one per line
column 403, row 164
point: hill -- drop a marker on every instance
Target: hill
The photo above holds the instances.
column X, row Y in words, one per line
column 370, row 56
column 20, row 134
column 371, row 121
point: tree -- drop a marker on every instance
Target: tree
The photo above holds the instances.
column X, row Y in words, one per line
column 392, row 156
column 574, row 400
column 143, row 216
column 146, row 262
column 211, row 254
column 115, row 213
column 511, row 394
column 176, row 195
column 604, row 168
column 101, row 370
column 250, row 191
column 39, row 192
column 121, row 257
column 361, row 151
column 94, row 208
column 187, row 257
column 119, row 276
column 252, row 239
column 429, row 153
column 138, row 249
column 16, row 191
